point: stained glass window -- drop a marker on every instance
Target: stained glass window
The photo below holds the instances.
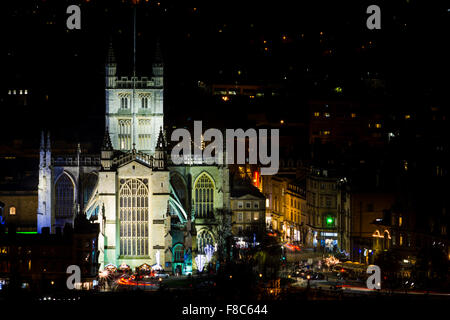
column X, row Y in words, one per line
column 64, row 192
column 133, row 218
column 204, row 197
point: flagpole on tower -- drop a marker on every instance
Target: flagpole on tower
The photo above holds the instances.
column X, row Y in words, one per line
column 133, row 107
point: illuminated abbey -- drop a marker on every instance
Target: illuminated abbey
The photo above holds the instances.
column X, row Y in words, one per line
column 149, row 210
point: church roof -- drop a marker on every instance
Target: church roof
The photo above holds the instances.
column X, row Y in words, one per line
column 242, row 188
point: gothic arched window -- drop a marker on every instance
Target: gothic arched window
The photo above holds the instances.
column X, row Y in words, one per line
column 178, row 253
column 64, row 191
column 203, row 239
column 133, row 215
column 204, row 196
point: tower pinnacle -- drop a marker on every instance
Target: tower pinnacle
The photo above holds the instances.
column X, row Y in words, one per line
column 107, row 145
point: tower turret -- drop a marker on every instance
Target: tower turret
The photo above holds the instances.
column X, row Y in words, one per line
column 42, row 151
column 106, row 151
column 158, row 66
column 159, row 159
column 111, row 68
column 44, row 216
column 48, row 152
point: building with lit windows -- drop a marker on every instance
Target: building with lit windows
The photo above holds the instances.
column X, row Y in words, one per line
column 286, row 209
column 321, row 197
column 18, row 191
column 248, row 213
column 38, row 262
column 296, row 211
column 347, row 122
column 371, row 231
column 273, row 188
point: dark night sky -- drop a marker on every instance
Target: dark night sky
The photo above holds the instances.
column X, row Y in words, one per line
column 211, row 43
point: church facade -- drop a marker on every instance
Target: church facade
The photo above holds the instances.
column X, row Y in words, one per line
column 150, row 211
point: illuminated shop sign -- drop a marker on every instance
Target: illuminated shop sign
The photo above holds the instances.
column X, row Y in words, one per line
column 328, row 234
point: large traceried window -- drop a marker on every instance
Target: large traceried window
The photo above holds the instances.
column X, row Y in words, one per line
column 133, row 211
column 64, row 192
column 204, row 197
column 125, row 134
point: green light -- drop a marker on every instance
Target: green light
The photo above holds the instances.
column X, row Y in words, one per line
column 25, row 232
column 329, row 220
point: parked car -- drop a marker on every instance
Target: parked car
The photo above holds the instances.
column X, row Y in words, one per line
column 161, row 274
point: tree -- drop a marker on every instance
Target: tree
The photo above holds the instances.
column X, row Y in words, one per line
column 431, row 267
column 224, row 234
column 388, row 261
column 268, row 257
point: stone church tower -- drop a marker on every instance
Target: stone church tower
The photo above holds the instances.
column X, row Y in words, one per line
column 134, row 106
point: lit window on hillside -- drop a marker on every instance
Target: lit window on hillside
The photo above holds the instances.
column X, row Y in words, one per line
column 353, row 115
column 12, row 211
column 327, row 114
column 407, row 116
column 316, row 114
